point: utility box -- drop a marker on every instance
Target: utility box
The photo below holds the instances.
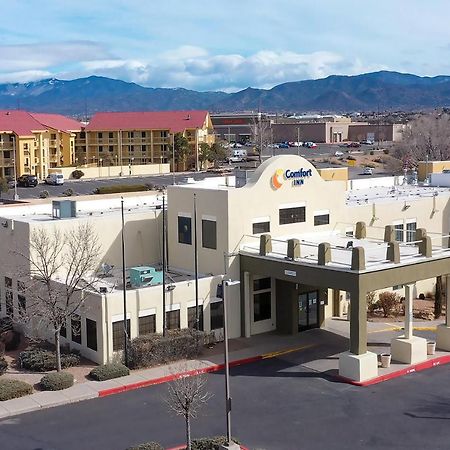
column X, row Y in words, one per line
column 145, row 276
column 64, row 209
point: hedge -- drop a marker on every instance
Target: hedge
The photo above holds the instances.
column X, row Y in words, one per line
column 147, row 446
column 3, row 366
column 40, row 360
column 153, row 349
column 77, row 174
column 56, row 381
column 117, row 188
column 211, row 443
column 109, row 371
column 14, row 389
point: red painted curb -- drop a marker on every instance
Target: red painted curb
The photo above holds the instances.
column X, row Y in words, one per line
column 445, row 359
column 183, row 447
column 167, row 378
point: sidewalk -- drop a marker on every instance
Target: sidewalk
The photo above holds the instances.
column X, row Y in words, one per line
column 316, row 350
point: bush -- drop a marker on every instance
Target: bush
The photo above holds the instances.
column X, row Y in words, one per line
column 56, row 381
column 10, row 389
column 40, row 360
column 389, row 302
column 10, row 340
column 429, row 295
column 3, row 366
column 147, row 446
column 109, row 371
column 77, row 174
column 386, row 151
column 212, row 443
column 6, row 324
column 371, row 153
column 351, row 158
column 68, row 192
column 153, row 349
column 372, row 303
column 43, row 194
column 115, row 189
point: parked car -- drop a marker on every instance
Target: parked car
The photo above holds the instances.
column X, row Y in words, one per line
column 353, row 145
column 367, row 142
column 55, row 179
column 309, row 145
column 338, row 153
column 283, row 145
column 27, row 181
column 295, row 144
column 367, row 171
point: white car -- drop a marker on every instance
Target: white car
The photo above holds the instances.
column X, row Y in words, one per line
column 338, row 153
column 368, row 171
column 55, row 179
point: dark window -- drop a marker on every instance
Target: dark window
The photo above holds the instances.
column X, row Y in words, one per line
column 143, row 134
column 131, row 148
column 261, row 227
column 6, row 155
column 322, row 219
column 75, row 325
column 262, row 306
column 111, row 135
column 63, row 331
column 292, row 215
column 53, row 136
column 398, row 232
column 411, row 231
column 100, row 148
column 118, row 334
column 144, row 148
column 261, row 283
column 184, row 230
column 216, row 315
column 209, row 234
column 173, row 319
column 82, row 134
column 100, row 135
column 9, row 303
column 22, row 302
column 192, row 317
column 8, row 282
column 91, row 334
column 349, row 233
column 111, row 148
column 21, row 286
column 147, row 324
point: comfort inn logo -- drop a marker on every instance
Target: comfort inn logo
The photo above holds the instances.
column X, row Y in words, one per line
column 296, row 177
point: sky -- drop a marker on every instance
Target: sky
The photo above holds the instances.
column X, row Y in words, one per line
column 223, row 45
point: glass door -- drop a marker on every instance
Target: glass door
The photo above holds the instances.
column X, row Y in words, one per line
column 308, row 310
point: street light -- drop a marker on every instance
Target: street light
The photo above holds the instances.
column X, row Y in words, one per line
column 229, row 443
column 16, row 195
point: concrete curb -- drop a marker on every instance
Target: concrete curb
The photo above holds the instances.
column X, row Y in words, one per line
column 183, row 447
column 440, row 361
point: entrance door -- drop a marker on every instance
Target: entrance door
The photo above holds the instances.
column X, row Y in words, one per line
column 308, row 310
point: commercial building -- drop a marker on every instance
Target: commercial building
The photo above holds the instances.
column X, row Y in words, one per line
column 301, row 247
column 129, row 138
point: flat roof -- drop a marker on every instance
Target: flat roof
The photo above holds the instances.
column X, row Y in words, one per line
column 341, row 251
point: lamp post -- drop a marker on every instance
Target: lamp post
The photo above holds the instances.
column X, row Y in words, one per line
column 229, row 443
column 16, row 195
column 124, row 281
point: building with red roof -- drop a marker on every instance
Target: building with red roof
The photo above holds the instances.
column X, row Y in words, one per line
column 125, row 138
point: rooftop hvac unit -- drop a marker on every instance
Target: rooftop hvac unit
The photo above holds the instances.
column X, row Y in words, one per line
column 64, row 209
column 144, row 276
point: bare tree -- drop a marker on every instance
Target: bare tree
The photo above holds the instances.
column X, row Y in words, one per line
column 425, row 136
column 186, row 396
column 261, row 134
column 60, row 266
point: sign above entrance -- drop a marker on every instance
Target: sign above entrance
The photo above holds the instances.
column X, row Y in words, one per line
column 296, row 177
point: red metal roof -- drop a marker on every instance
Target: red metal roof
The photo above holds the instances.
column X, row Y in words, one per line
column 175, row 121
column 19, row 122
column 58, row 122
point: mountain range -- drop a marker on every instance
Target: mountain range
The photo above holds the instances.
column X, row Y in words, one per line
column 382, row 90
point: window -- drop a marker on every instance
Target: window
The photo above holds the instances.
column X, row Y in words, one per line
column 100, row 135
column 209, row 234
column 216, row 315
column 53, row 136
column 21, row 286
column 9, row 303
column 75, row 325
column 131, row 148
column 143, row 134
column 22, row 301
column 111, row 135
column 321, row 219
column 144, row 148
column 292, row 215
column 63, row 331
column 118, row 334
column 131, row 134
column 91, row 334
column 147, row 324
column 411, row 231
column 261, row 284
column 349, row 232
column 111, row 148
column 100, row 148
column 6, row 154
column 398, row 228
column 8, row 282
column 192, row 317
column 262, row 306
column 173, row 319
column 184, row 230
column 25, row 146
column 261, row 227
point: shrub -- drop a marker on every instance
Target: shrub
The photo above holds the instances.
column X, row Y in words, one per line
column 109, row 371
column 421, row 296
column 386, row 151
column 68, row 192
column 56, row 381
column 153, row 349
column 77, row 174
column 3, row 366
column 40, row 360
column 115, row 189
column 43, row 194
column 147, row 446
column 371, row 153
column 372, row 303
column 10, row 389
column 211, row 443
column 10, row 339
column 351, row 158
column 6, row 324
column 429, row 294
column 389, row 302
